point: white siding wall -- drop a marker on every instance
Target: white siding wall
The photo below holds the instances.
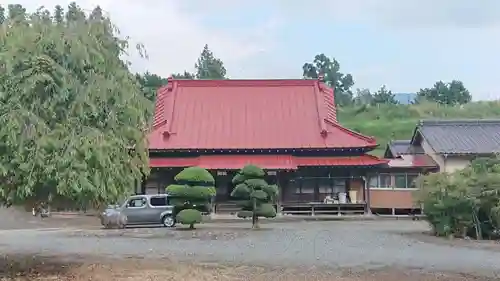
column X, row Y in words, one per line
column 450, row 164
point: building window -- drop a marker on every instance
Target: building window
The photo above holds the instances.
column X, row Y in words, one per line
column 303, row 186
column 325, row 185
column 400, row 181
column 373, row 182
column 304, row 189
column 384, row 181
column 410, row 180
column 380, row 181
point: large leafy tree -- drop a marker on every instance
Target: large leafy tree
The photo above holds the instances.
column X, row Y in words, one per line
column 384, row 96
column 208, row 66
column 452, row 93
column 363, row 97
column 330, row 69
column 71, row 111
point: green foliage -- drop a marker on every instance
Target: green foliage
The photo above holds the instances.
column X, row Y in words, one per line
column 384, row 96
column 363, row 97
column 189, row 217
column 255, row 196
column 330, row 69
column 464, row 203
column 388, row 121
column 195, row 175
column 249, row 172
column 185, row 75
column 70, row 109
column 208, row 66
column 266, row 210
column 446, row 93
column 150, row 83
column 244, row 214
column 192, row 193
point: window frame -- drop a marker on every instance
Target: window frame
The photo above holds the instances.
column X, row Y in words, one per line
column 411, row 186
column 393, row 181
column 378, row 186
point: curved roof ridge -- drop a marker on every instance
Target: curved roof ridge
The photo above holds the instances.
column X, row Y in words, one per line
column 353, row 133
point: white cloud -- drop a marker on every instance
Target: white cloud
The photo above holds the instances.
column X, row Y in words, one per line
column 418, row 13
column 173, row 36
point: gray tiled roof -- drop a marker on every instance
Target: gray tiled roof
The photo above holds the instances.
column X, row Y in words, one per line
column 402, row 147
column 461, row 136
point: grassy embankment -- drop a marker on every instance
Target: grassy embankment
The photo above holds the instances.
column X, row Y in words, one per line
column 389, row 122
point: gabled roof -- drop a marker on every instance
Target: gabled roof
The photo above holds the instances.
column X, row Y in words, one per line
column 396, row 148
column 249, row 114
column 479, row 136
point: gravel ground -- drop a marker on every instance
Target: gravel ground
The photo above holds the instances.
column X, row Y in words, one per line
column 340, row 244
column 16, row 218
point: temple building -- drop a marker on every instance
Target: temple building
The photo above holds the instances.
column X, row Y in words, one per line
column 287, row 127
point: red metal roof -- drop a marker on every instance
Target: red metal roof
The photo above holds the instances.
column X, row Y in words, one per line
column 173, row 162
column 249, row 114
column 288, row 162
column 364, row 160
column 235, row 162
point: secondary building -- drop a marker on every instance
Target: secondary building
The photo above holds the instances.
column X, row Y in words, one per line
column 436, row 146
column 452, row 144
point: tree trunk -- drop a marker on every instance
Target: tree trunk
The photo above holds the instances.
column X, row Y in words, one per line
column 191, row 226
column 254, row 213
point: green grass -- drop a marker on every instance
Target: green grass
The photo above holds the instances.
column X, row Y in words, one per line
column 390, row 122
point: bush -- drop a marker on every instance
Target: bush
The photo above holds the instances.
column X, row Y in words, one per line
column 465, row 203
column 195, row 175
column 191, row 194
column 256, row 197
column 189, row 217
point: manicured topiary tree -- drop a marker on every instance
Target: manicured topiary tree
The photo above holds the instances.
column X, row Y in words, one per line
column 256, row 197
column 191, row 195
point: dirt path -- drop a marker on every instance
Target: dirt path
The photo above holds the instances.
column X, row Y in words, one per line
column 15, row 218
column 98, row 269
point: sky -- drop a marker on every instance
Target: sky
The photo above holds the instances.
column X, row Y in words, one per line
column 405, row 45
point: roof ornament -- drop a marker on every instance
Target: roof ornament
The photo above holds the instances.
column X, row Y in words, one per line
column 166, row 135
column 324, row 133
column 321, row 77
column 170, row 81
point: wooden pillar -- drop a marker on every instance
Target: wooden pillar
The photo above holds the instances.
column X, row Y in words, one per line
column 368, row 210
column 143, row 184
column 280, row 192
column 136, row 186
